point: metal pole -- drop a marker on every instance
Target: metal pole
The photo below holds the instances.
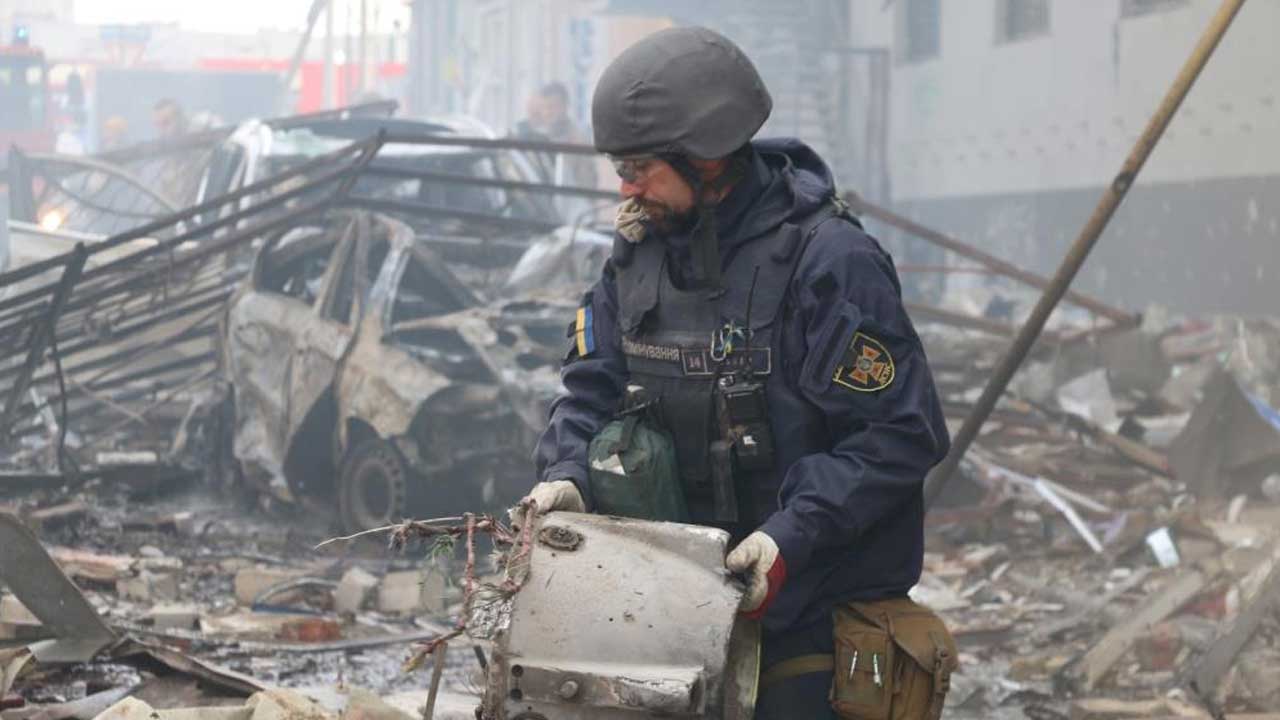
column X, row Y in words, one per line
column 299, row 54
column 42, row 334
column 328, row 56
column 963, row 249
column 364, row 48
column 348, row 57
column 417, row 95
column 1079, row 251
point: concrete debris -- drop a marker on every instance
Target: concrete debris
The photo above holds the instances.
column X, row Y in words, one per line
column 251, row 582
column 179, row 616
column 410, row 592
column 148, row 587
column 354, row 589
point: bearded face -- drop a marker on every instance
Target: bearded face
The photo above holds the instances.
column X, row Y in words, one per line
column 666, row 220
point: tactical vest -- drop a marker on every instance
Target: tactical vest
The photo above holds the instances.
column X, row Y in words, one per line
column 675, row 345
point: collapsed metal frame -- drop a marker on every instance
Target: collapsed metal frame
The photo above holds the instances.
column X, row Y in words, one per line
column 110, row 319
column 82, row 193
column 147, row 289
column 115, row 190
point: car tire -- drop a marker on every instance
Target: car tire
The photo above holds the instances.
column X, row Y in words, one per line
column 373, row 487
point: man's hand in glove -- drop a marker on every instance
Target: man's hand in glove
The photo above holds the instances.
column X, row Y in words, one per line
column 557, row 495
column 758, row 557
column 550, row 496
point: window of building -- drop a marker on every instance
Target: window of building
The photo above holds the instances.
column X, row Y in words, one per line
column 1018, row 19
column 920, row 29
column 1130, row 8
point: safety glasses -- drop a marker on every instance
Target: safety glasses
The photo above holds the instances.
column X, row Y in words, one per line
column 633, row 168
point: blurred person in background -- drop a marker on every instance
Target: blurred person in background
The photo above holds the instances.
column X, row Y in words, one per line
column 115, row 133
column 169, row 119
column 548, row 121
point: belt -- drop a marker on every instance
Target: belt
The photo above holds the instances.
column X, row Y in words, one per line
column 795, row 667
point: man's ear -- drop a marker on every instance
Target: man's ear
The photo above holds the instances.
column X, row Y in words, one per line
column 709, row 169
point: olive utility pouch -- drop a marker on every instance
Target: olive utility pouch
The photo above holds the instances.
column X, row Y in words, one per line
column 893, row 661
column 633, row 472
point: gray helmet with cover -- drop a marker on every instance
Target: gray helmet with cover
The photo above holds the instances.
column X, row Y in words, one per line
column 688, row 91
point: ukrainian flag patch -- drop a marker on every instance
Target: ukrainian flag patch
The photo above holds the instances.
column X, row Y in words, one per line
column 584, row 332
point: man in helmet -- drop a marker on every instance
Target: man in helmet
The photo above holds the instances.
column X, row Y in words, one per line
column 738, row 281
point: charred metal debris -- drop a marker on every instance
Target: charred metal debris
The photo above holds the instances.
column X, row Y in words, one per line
column 362, row 260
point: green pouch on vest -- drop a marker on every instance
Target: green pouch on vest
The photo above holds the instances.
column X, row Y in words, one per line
column 633, row 472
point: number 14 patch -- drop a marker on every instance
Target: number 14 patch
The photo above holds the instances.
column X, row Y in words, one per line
column 867, row 365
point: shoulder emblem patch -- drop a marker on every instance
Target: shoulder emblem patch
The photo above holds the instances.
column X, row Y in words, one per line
column 867, row 365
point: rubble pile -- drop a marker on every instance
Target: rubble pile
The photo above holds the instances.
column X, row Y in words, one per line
column 1113, row 547
column 237, row 602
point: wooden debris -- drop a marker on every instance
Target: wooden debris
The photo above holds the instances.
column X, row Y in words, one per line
column 1163, row 603
column 93, row 566
column 1139, row 453
column 310, row 630
column 1215, row 663
column 61, row 513
column 1098, row 606
column 437, row 672
column 1109, row 709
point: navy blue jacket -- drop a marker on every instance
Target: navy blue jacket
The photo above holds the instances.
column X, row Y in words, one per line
column 849, row 515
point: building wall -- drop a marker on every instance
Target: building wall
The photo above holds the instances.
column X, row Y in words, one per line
column 1010, row 144
column 1060, row 110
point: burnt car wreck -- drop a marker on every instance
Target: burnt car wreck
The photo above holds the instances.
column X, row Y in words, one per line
column 364, row 373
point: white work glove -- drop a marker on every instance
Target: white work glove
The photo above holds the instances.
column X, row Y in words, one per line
column 630, row 221
column 557, row 495
column 757, row 556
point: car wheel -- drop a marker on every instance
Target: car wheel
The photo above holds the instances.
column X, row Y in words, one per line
column 373, row 487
